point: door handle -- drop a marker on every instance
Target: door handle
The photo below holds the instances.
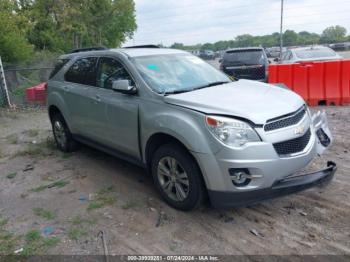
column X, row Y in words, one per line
column 65, row 89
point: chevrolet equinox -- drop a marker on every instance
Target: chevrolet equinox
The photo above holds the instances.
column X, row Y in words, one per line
column 199, row 133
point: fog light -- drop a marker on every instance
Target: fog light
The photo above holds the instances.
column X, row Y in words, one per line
column 322, row 136
column 240, row 176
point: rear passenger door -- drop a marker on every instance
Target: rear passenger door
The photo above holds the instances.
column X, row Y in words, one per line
column 80, row 80
column 118, row 111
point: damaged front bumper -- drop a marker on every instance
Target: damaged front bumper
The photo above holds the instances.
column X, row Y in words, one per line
column 280, row 188
column 284, row 185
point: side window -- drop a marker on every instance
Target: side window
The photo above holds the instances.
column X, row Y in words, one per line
column 58, row 66
column 111, row 70
column 83, row 71
column 290, row 55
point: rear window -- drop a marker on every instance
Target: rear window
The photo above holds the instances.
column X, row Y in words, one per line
column 83, row 71
column 246, row 57
column 58, row 66
column 315, row 53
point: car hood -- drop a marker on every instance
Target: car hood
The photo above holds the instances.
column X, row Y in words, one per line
column 252, row 100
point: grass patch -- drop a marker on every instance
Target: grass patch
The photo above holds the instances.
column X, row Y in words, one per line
column 36, row 244
column 43, row 148
column 12, row 139
column 58, row 184
column 11, row 175
column 77, row 233
column 39, row 188
column 3, row 222
column 46, row 214
column 78, row 220
column 104, row 197
column 79, row 227
column 8, row 241
column 31, row 150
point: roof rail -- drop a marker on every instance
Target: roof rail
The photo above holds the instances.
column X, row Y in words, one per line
column 95, row 48
column 142, row 46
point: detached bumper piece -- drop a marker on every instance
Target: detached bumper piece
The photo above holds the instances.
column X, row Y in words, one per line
column 280, row 188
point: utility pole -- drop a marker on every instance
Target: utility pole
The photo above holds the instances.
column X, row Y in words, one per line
column 281, row 30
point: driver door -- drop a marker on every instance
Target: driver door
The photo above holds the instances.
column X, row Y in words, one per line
column 117, row 113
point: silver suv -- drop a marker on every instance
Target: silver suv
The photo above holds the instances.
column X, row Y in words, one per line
column 197, row 132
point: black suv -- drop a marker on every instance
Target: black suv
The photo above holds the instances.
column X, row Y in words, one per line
column 246, row 63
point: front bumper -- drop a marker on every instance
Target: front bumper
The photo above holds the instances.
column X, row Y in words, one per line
column 270, row 174
column 281, row 187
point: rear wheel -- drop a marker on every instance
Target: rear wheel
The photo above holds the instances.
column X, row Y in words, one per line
column 63, row 137
column 177, row 177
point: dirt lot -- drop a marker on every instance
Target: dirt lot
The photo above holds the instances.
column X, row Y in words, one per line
column 58, row 203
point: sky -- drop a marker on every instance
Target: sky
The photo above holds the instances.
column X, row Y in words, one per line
column 200, row 21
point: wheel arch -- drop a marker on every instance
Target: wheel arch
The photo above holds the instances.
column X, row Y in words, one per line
column 159, row 139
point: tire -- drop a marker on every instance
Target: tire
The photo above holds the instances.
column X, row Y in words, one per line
column 63, row 137
column 186, row 174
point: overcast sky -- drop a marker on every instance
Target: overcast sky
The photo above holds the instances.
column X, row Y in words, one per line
column 200, row 21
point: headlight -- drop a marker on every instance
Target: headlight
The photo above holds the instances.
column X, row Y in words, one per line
column 230, row 131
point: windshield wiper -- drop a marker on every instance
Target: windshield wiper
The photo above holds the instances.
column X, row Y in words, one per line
column 211, row 84
column 195, row 88
column 176, row 92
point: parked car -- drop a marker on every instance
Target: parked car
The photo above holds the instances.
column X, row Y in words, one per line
column 306, row 54
column 340, row 46
column 189, row 125
column 246, row 63
column 207, row 54
column 273, row 52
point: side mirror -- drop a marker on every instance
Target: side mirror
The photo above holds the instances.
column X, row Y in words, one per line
column 124, row 86
column 220, row 60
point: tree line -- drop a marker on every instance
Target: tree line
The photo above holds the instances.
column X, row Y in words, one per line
column 332, row 34
column 27, row 26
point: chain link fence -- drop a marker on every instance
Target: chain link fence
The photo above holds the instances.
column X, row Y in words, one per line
column 20, row 76
column 19, row 79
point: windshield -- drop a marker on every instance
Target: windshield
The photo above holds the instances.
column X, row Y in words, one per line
column 315, row 53
column 177, row 73
column 245, row 57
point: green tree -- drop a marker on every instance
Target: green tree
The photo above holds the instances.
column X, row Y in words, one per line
column 290, row 38
column 66, row 24
column 13, row 27
column 333, row 34
column 244, row 40
column 178, row 46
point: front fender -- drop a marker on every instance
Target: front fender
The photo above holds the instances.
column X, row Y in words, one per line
column 185, row 125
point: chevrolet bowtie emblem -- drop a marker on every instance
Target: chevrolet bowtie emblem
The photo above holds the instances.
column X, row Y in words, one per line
column 299, row 130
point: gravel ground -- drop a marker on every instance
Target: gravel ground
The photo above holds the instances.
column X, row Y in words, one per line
column 54, row 203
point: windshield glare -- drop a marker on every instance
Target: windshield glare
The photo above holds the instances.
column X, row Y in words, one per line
column 177, row 72
column 314, row 53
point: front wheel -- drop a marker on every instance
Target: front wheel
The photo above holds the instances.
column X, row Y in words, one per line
column 177, row 177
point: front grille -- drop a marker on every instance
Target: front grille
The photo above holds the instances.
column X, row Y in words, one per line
column 294, row 145
column 293, row 119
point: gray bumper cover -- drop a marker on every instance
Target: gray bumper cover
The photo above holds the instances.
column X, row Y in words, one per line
column 282, row 187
